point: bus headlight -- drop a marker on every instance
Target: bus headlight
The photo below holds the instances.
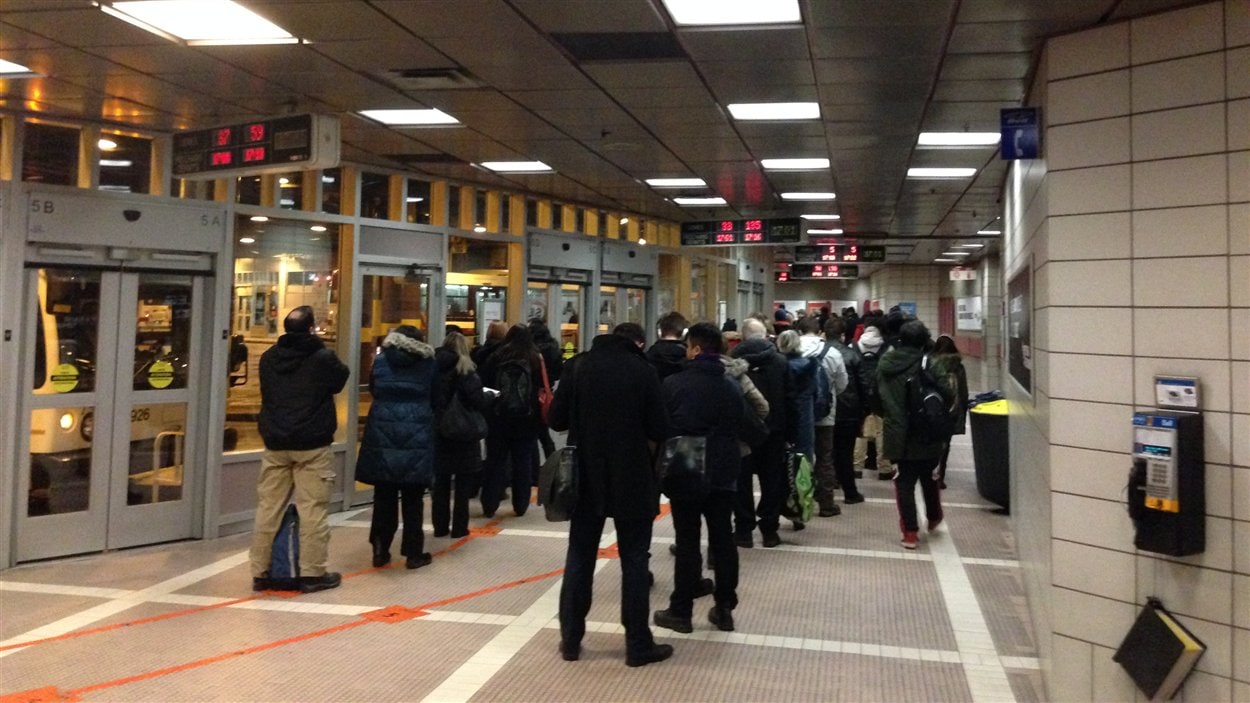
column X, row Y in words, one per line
column 87, row 428
column 66, row 421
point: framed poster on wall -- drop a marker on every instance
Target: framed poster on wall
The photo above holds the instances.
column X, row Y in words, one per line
column 968, row 314
column 1019, row 327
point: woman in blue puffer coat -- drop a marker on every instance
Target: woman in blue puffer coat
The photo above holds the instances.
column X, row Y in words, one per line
column 397, row 452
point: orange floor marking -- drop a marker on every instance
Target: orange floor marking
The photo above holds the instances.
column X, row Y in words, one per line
column 47, row 694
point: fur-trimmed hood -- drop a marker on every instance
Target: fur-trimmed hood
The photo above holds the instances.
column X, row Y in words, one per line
column 870, row 341
column 734, row 368
column 396, row 346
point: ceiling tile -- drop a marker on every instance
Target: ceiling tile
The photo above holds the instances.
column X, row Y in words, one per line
column 979, row 91
column 778, row 43
column 615, row 16
column 335, row 20
column 864, row 13
column 878, row 41
column 646, row 74
column 379, row 55
column 91, row 26
column 986, row 66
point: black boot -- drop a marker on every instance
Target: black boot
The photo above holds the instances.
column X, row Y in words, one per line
column 381, row 554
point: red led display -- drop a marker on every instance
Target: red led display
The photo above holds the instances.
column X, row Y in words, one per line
column 253, row 154
column 754, row 226
column 255, row 132
column 221, row 158
column 727, row 226
column 753, row 237
column 725, row 238
column 222, row 136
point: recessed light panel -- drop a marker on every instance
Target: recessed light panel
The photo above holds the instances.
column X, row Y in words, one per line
column 14, row 70
column 969, row 246
column 821, row 217
column 989, row 231
column 824, row 231
column 945, row 261
column 516, row 166
column 958, row 139
column 676, row 182
column 956, row 253
column 697, row 202
column 200, row 22
column 774, row 111
column 722, row 12
column 808, row 196
column 794, row 164
column 941, row 172
column 411, row 118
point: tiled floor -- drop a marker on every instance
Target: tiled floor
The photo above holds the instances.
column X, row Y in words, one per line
column 839, row 613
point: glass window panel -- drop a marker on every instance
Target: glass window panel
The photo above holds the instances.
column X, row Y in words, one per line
column 636, row 306
column 536, row 301
column 50, row 154
column 386, row 302
column 291, row 191
column 570, row 319
column 607, row 309
column 278, row 265
column 247, row 190
column 505, row 212
column 453, row 204
column 157, row 448
column 163, row 332
column 418, row 201
column 60, row 460
column 479, row 212
column 477, row 287
column 66, row 331
column 531, row 212
column 375, row 195
column 331, row 190
column 126, row 168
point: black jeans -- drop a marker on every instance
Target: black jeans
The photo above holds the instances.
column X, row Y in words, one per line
column 844, row 435
column 823, row 468
column 909, row 472
column 504, row 453
column 716, row 508
column 633, row 543
column 386, row 506
column 768, row 462
column 443, row 511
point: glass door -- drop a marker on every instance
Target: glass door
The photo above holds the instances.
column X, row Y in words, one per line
column 112, row 413
column 389, row 297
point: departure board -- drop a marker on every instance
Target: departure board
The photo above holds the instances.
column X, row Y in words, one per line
column 720, row 233
column 839, row 253
column 273, row 145
column 800, row 272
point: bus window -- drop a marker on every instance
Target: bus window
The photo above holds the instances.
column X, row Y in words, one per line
column 69, row 319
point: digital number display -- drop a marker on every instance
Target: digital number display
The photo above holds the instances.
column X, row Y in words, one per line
column 753, row 226
column 222, row 137
column 816, row 271
column 727, row 226
column 262, row 146
column 725, row 238
column 839, row 253
column 752, row 237
column 755, row 231
column 783, row 276
column 254, row 154
column 256, row 133
column 222, row 158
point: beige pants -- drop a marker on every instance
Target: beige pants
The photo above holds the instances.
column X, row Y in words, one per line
column 872, row 430
column 308, row 472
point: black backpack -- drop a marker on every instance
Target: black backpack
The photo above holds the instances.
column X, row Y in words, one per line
column 868, row 373
column 516, row 391
column 823, row 403
column 931, row 408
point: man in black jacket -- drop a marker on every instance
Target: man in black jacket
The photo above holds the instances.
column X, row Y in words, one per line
column 609, row 401
column 703, row 402
column 848, row 415
column 298, row 380
column 668, row 354
column 768, row 372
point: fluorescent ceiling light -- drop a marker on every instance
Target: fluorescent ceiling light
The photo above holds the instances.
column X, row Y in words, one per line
column 642, row 241
column 15, row 70
column 479, row 229
column 106, row 144
column 939, row 139
column 824, row 231
column 411, row 118
column 721, row 12
column 676, row 182
column 941, row 172
column 794, row 164
column 259, row 218
column 246, row 240
column 200, row 22
column 774, row 111
column 808, row 196
column 318, row 228
column 414, row 199
column 821, row 217
column 969, row 246
column 956, row 253
column 989, row 231
column 116, row 163
column 516, row 166
column 690, row 202
column 945, row 261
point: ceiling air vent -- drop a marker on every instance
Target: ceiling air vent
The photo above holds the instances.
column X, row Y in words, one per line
column 417, row 159
column 431, row 79
column 622, row 46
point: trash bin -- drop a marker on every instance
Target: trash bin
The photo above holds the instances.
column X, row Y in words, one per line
column 990, row 459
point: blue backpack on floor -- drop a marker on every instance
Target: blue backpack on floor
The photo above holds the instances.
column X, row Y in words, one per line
column 284, row 564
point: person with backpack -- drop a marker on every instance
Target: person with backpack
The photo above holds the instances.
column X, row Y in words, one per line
column 703, row 402
column 870, row 348
column 768, row 370
column 553, row 361
column 397, row 450
column 515, row 371
column 831, row 380
column 457, row 459
column 848, row 416
column 668, row 354
column 915, row 431
column 948, row 363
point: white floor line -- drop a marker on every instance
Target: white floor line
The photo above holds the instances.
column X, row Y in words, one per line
column 983, row 668
column 109, row 608
column 978, row 506
column 468, row 679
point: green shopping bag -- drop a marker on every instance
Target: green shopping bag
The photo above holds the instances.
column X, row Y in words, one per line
column 801, row 500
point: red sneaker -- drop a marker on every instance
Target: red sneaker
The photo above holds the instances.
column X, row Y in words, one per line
column 910, row 540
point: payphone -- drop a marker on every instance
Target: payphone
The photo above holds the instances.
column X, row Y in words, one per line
column 1167, row 491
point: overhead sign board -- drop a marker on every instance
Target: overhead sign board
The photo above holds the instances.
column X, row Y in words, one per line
column 1019, row 133
column 960, row 273
column 807, row 271
column 839, row 253
column 294, row 142
column 719, row 233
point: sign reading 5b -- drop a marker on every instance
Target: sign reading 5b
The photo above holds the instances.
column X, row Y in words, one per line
column 42, row 206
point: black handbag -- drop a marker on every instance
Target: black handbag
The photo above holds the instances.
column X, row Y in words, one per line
column 557, row 485
column 460, row 423
column 682, row 468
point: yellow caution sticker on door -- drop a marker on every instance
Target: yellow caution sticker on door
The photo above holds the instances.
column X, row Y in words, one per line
column 1164, row 504
column 160, row 374
column 64, row 378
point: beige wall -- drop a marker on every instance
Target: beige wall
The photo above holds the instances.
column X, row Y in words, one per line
column 1137, row 225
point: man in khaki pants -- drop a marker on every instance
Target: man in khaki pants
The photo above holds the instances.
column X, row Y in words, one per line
column 298, row 379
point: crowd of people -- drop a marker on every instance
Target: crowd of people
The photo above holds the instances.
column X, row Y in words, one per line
column 837, row 391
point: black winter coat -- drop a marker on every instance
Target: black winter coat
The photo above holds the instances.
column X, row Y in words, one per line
column 851, row 400
column 514, row 428
column 768, row 371
column 609, row 401
column 703, row 402
column 452, row 457
column 298, row 380
column 398, row 446
column 668, row 356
